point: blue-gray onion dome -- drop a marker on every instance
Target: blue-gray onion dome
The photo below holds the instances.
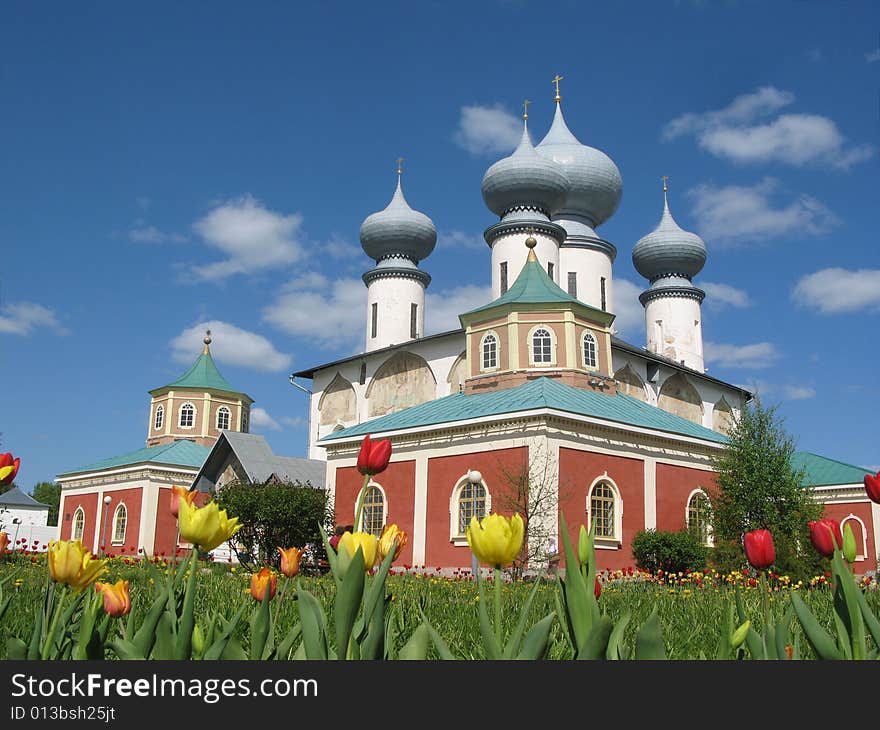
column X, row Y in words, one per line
column 669, row 249
column 398, row 230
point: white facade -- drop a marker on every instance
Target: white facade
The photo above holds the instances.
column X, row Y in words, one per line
column 593, row 275
column 674, row 327
column 392, row 319
column 510, row 251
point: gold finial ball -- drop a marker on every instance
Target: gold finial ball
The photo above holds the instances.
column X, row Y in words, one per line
column 207, row 339
column 531, row 242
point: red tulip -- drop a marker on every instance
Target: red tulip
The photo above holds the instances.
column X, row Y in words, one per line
column 373, row 457
column 872, row 487
column 759, row 548
column 597, row 589
column 824, row 534
column 8, row 468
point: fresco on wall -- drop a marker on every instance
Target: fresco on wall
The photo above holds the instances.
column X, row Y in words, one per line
column 678, row 396
column 629, row 382
column 403, row 380
column 457, row 373
column 722, row 416
column 338, row 404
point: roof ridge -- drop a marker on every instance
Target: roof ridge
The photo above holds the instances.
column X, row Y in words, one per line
column 836, row 461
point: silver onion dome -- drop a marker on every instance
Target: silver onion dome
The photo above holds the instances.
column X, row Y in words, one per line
column 669, row 250
column 524, row 181
column 398, row 231
column 594, row 182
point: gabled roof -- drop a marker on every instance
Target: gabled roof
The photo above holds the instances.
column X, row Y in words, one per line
column 16, row 498
column 257, row 461
column 178, row 453
column 537, row 394
column 822, row 471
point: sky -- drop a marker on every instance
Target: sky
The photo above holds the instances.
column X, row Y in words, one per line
column 166, row 168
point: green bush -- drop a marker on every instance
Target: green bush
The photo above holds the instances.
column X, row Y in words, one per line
column 671, row 552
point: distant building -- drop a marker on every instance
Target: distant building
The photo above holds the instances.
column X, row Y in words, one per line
column 24, row 520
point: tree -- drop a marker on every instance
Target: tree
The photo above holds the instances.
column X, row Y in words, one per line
column 275, row 514
column 48, row 493
column 759, row 488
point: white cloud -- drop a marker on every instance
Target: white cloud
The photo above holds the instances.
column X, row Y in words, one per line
column 744, row 214
column 752, row 357
column 460, row 239
column 835, row 290
column 329, row 314
column 296, row 422
column 339, row 248
column 630, row 320
column 734, row 133
column 765, row 389
column 798, row 392
column 873, row 56
column 251, row 236
column 442, row 308
column 230, row 345
column 261, row 420
column 719, row 296
column 23, row 317
column 151, row 234
column 484, row 130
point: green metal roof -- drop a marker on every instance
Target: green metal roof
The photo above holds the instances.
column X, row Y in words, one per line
column 821, row 471
column 178, row 453
column 539, row 393
column 203, row 375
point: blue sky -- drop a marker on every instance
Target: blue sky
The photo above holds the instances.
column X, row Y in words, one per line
column 171, row 166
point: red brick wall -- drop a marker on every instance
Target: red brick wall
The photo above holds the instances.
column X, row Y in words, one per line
column 132, row 500
column 862, row 510
column 165, row 539
column 397, row 481
column 89, row 503
column 577, row 471
column 443, row 475
column 674, row 486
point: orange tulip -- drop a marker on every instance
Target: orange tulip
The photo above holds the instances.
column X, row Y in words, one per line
column 260, row 581
column 4, row 544
column 116, row 599
column 290, row 561
column 178, row 493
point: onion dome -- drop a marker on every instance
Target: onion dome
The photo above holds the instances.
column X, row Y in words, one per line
column 669, row 250
column 594, row 182
column 524, row 181
column 398, row 231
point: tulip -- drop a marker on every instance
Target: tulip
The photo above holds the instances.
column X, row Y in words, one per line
column 116, row 599
column 72, row 564
column 367, row 542
column 8, row 468
column 262, row 580
column 872, row 487
column 496, row 540
column 849, row 543
column 206, row 526
column 585, row 546
column 597, row 589
column 739, row 636
column 4, row 544
column 386, row 541
column 290, row 561
column 759, row 548
column 373, row 457
column 178, row 493
column 825, row 536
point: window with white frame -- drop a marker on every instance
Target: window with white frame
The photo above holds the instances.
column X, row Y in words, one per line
column 604, row 511
column 542, row 346
column 79, row 524
column 490, row 351
column 244, row 421
column 468, row 500
column 373, row 510
column 859, row 533
column 120, row 520
column 160, row 417
column 699, row 516
column 590, row 360
column 187, row 415
column 223, row 417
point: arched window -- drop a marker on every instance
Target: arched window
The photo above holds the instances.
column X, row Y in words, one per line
column 542, row 346
column 699, row 516
column 222, row 418
column 187, row 415
column 490, row 351
column 859, row 533
column 160, row 417
column 605, row 511
column 468, row 500
column 244, row 421
column 79, row 524
column 120, row 520
column 590, row 360
column 373, row 510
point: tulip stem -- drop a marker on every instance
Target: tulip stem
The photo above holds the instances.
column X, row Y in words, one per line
column 53, row 625
column 360, row 503
column 498, row 605
column 765, row 603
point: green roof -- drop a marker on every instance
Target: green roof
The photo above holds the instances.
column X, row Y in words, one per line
column 821, row 471
column 540, row 393
column 203, row 375
column 178, row 453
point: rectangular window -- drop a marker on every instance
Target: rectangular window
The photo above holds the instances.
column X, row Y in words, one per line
column 375, row 317
column 363, row 376
column 413, row 318
column 550, row 269
column 602, row 292
column 573, row 283
column 503, row 277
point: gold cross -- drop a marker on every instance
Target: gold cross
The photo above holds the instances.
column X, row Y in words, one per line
column 665, row 179
column 556, row 81
column 399, row 165
column 526, row 109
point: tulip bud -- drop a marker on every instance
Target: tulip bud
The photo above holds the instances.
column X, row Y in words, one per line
column 760, row 551
column 739, row 636
column 585, row 547
column 390, row 533
column 261, row 582
column 290, row 561
column 849, row 543
column 198, row 641
column 116, row 599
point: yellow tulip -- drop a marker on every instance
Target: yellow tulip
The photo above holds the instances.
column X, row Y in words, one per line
column 117, row 601
column 386, row 541
column 496, row 540
column 206, row 526
column 71, row 563
column 366, row 541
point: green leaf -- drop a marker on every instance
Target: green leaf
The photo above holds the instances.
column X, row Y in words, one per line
column 126, row 650
column 512, row 648
column 563, row 618
column 233, row 651
column 819, row 639
column 164, row 647
column 649, row 639
column 16, row 649
column 440, row 645
column 753, row 639
column 145, row 636
column 853, row 615
column 314, row 627
column 417, row 646
column 534, row 645
column 596, row 645
column 783, row 634
column 286, row 645
column 260, row 627
column 576, row 595
column 724, row 649
column 870, row 619
column 616, row 638
column 490, row 643
column 33, row 651
column 348, row 602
